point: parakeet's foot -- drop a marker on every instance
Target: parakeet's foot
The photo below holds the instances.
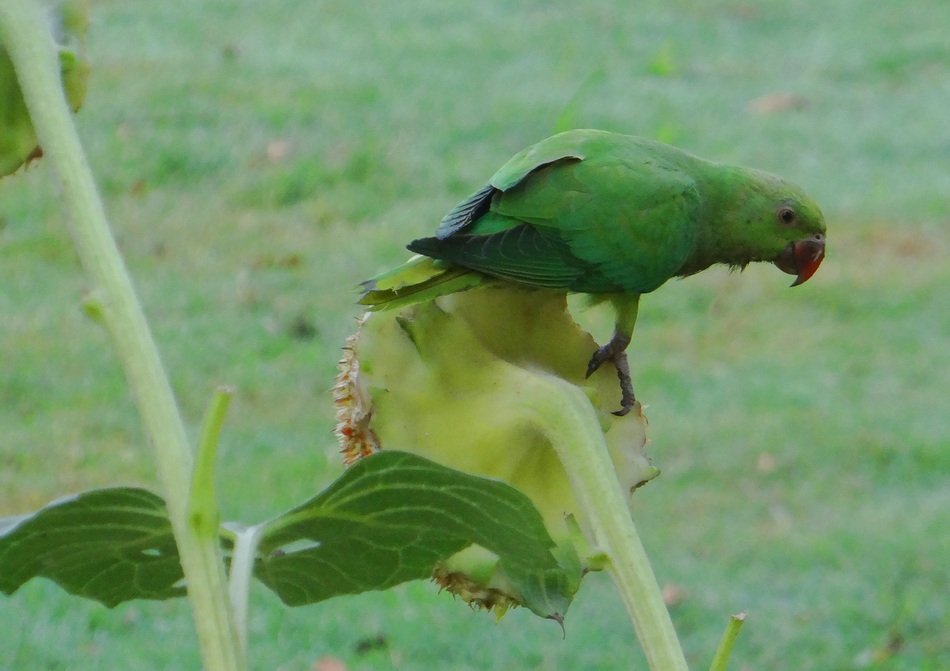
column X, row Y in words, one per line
column 627, row 399
column 616, row 351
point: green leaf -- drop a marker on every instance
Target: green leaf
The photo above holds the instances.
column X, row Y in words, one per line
column 391, row 517
column 18, row 143
column 110, row 545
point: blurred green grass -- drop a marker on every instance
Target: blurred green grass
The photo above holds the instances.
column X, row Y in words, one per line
column 259, row 159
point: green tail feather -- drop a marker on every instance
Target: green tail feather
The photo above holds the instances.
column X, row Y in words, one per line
column 418, row 280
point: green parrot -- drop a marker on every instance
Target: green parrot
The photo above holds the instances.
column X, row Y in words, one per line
column 613, row 216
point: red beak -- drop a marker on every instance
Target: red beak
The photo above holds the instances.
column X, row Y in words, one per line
column 802, row 258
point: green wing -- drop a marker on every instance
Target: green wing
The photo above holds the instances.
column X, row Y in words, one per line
column 418, row 279
column 519, row 253
column 584, row 211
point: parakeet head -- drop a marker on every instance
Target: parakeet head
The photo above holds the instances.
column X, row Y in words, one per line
column 799, row 222
column 762, row 217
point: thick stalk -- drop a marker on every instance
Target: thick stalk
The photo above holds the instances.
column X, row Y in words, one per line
column 28, row 40
column 579, row 441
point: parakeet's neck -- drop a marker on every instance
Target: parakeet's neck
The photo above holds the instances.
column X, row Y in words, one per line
column 733, row 200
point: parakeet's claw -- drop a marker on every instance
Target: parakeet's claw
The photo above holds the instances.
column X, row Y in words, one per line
column 616, row 351
column 601, row 355
column 627, row 399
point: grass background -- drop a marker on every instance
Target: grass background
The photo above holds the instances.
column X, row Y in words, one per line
column 258, row 159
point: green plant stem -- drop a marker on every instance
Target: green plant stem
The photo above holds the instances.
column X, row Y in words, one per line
column 579, row 441
column 242, row 570
column 28, row 40
column 724, row 650
column 202, row 502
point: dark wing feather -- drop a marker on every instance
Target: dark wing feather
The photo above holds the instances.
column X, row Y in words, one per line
column 521, row 254
column 463, row 214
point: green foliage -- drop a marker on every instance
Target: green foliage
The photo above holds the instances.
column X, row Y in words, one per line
column 18, row 140
column 390, row 518
column 110, row 545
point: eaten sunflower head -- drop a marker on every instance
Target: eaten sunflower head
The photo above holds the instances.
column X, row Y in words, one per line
column 448, row 380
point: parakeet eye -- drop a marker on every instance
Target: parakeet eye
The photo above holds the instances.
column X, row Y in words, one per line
column 786, row 215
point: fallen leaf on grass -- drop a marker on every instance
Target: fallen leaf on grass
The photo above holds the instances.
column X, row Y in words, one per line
column 277, row 150
column 328, row 664
column 673, row 594
column 776, row 102
column 765, row 463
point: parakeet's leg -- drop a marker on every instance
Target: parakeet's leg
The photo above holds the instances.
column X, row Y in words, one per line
column 616, row 349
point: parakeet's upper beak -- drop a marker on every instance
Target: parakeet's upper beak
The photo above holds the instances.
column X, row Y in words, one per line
column 802, row 258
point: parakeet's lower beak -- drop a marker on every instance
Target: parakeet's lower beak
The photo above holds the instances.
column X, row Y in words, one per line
column 802, row 258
